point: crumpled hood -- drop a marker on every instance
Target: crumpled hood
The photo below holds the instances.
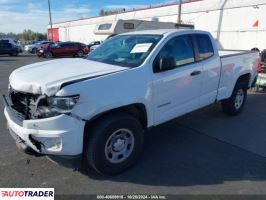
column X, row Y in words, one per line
column 47, row 77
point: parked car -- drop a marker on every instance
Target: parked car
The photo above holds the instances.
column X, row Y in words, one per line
column 8, row 49
column 94, row 47
column 94, row 43
column 33, row 48
column 8, row 40
column 97, row 109
column 63, row 49
column 11, row 41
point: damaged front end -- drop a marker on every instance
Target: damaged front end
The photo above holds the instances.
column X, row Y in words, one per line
column 26, row 108
column 35, row 106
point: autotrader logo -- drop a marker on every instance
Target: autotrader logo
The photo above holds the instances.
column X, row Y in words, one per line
column 27, row 193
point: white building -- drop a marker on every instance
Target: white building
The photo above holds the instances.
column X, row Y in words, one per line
column 232, row 22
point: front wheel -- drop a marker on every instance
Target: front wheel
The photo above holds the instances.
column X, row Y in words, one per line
column 114, row 143
column 236, row 102
column 48, row 55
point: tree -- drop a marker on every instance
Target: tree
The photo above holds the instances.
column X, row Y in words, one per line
column 25, row 35
column 109, row 12
column 101, row 13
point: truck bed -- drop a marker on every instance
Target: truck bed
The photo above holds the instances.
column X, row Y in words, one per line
column 228, row 53
column 235, row 62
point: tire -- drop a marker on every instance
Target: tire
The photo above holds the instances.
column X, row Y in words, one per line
column 13, row 53
column 80, row 54
column 48, row 54
column 34, row 50
column 234, row 105
column 113, row 144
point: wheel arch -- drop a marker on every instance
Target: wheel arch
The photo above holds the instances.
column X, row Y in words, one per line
column 138, row 110
column 244, row 79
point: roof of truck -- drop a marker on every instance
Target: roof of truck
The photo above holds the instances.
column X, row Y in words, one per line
column 163, row 32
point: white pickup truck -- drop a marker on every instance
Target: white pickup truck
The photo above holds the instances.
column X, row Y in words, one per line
column 97, row 109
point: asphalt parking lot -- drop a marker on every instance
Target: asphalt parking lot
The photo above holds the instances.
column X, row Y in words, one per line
column 205, row 152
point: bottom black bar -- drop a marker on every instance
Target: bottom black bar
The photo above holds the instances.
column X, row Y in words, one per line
column 161, row 197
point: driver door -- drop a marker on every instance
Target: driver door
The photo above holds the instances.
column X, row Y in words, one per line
column 177, row 91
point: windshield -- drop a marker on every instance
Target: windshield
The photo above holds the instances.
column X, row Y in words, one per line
column 125, row 50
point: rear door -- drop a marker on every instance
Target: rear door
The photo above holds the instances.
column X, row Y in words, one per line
column 72, row 48
column 211, row 64
column 177, row 91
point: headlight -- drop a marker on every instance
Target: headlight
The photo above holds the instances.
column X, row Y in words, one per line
column 53, row 106
column 62, row 104
column 41, row 50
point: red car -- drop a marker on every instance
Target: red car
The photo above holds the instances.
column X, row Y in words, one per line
column 63, row 49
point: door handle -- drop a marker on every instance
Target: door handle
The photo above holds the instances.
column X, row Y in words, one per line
column 195, row 73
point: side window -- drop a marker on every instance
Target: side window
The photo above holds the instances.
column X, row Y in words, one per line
column 180, row 48
column 205, row 47
column 64, row 45
column 7, row 45
column 73, row 45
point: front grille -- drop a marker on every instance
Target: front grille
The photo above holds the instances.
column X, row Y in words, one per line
column 24, row 104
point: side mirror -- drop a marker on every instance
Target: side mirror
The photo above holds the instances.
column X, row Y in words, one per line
column 164, row 64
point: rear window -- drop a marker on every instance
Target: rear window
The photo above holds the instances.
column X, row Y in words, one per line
column 204, row 46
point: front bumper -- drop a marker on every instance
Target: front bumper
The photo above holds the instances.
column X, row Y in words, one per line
column 59, row 136
column 40, row 54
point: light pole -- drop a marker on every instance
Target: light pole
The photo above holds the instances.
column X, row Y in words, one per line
column 51, row 23
column 179, row 11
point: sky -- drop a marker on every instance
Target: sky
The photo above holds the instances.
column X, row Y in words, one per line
column 17, row 15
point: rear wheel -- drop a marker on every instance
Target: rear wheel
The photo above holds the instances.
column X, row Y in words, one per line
column 236, row 102
column 13, row 53
column 80, row 54
column 114, row 143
